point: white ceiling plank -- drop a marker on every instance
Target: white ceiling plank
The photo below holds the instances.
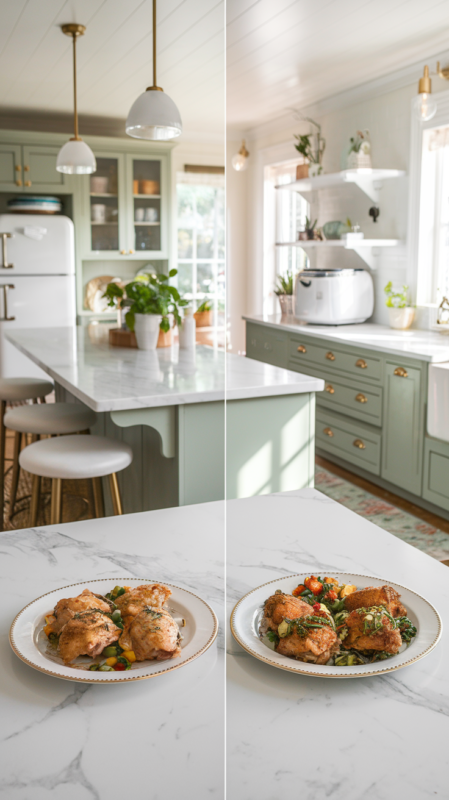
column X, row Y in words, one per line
column 11, row 14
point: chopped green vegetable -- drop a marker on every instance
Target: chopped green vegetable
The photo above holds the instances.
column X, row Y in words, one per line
column 94, row 667
column 273, row 637
column 105, row 668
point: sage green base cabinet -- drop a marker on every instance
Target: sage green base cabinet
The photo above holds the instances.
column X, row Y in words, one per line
column 269, row 445
column 371, row 417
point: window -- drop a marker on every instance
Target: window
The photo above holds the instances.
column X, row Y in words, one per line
column 433, row 248
column 284, row 215
column 201, row 242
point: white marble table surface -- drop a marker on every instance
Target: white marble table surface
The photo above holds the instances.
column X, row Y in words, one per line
column 156, row 739
column 296, row 736
column 423, row 345
column 110, row 378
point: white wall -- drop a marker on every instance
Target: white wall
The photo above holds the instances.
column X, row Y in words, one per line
column 236, row 249
column 388, row 118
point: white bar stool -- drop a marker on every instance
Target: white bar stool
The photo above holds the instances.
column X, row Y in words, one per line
column 55, row 419
column 14, row 390
column 74, row 458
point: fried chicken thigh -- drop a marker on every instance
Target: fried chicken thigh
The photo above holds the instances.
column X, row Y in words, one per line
column 317, row 647
column 376, row 596
column 153, row 635
column 87, row 633
column 360, row 637
column 282, row 606
column 69, row 606
column 135, row 600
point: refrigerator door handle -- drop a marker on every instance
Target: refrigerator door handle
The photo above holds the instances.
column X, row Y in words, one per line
column 5, row 288
column 4, row 264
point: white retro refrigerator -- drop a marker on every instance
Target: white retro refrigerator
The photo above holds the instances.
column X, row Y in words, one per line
column 37, row 282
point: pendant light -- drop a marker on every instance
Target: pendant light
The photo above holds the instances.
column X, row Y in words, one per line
column 154, row 115
column 425, row 105
column 240, row 160
column 75, row 157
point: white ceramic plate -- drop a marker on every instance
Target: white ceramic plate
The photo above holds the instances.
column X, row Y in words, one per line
column 246, row 616
column 30, row 643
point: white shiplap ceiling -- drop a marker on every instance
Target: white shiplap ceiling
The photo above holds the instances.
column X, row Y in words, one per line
column 293, row 53
column 114, row 57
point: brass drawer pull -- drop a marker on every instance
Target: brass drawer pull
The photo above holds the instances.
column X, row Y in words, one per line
column 361, row 363
column 329, row 388
column 328, row 432
column 18, row 168
column 401, row 372
column 19, row 183
column 361, row 398
column 330, row 356
column 358, row 443
column 26, row 168
column 302, row 349
column 27, row 183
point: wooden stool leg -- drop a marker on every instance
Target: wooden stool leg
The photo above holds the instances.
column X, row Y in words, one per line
column 2, row 461
column 56, row 501
column 35, row 500
column 15, row 472
column 97, row 487
column 115, row 492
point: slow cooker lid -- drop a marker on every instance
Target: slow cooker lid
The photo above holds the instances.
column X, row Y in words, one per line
column 329, row 273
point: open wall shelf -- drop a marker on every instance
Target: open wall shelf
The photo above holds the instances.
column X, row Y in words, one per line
column 369, row 181
column 367, row 249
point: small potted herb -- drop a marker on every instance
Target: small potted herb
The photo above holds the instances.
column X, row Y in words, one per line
column 203, row 314
column 311, row 146
column 284, row 291
column 359, row 153
column 401, row 314
column 151, row 301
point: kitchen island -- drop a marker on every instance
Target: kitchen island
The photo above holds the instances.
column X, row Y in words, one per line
column 158, row 738
column 168, row 405
column 292, row 735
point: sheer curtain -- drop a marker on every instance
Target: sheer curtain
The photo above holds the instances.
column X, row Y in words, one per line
column 433, row 258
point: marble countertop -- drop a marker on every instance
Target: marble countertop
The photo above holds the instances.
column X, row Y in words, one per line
column 111, row 378
column 154, row 739
column 291, row 735
column 423, row 345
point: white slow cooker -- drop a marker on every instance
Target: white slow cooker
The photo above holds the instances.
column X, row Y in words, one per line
column 334, row 297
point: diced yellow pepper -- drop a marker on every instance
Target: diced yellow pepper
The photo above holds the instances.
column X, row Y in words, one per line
column 348, row 589
column 111, row 662
column 127, row 588
column 130, row 655
column 49, row 619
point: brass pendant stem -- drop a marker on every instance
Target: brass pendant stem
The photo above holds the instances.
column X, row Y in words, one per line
column 154, row 44
column 75, row 104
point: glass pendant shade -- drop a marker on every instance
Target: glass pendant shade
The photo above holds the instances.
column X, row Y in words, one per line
column 425, row 106
column 239, row 162
column 76, row 158
column 154, row 116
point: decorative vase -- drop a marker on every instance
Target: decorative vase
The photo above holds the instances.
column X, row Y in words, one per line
column 302, row 171
column 335, row 230
column 359, row 161
column 203, row 319
column 314, row 170
column 146, row 328
column 286, row 303
column 401, row 318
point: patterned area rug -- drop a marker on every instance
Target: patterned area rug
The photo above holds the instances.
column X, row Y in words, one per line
column 398, row 522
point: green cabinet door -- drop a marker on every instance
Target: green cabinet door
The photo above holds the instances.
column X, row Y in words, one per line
column 39, row 170
column 11, row 179
column 403, row 433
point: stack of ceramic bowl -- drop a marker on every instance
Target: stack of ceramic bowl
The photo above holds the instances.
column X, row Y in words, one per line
column 26, row 204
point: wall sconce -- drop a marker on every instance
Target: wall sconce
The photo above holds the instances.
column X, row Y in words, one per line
column 425, row 105
column 240, row 160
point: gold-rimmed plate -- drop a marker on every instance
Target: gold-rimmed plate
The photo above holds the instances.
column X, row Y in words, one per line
column 247, row 615
column 29, row 642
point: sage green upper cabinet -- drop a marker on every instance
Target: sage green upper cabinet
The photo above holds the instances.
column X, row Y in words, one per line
column 147, row 201
column 403, row 433
column 10, row 167
column 106, row 231
column 39, row 170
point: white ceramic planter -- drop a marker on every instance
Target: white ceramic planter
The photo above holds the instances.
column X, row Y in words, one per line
column 314, row 170
column 146, row 328
column 401, row 318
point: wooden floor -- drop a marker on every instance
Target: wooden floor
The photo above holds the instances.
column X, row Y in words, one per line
column 411, row 508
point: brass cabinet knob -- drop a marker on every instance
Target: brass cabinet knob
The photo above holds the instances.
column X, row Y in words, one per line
column 131, row 252
column 329, row 388
column 27, row 183
column 18, row 183
column 123, row 252
column 361, row 398
column 361, row 363
column 330, row 356
column 328, row 432
column 358, row 443
column 302, row 349
column 18, row 168
column 401, row 372
column 26, row 168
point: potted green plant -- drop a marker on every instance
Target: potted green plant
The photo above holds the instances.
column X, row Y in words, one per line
column 311, row 146
column 401, row 314
column 284, row 291
column 203, row 314
column 150, row 300
column 359, row 153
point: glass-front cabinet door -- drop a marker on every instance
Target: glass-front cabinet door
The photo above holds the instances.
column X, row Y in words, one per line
column 147, row 229
column 105, row 207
